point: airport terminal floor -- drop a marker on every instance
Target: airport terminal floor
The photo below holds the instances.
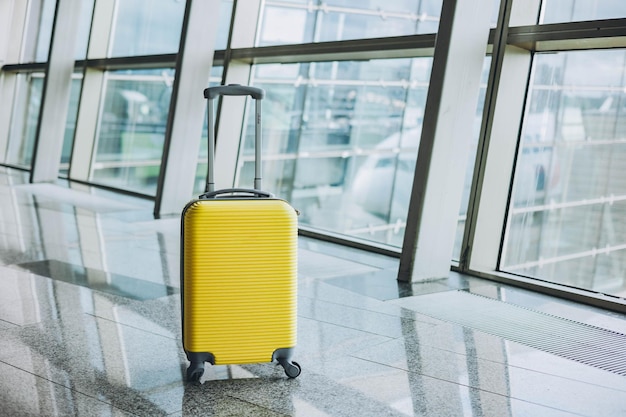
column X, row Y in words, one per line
column 90, row 326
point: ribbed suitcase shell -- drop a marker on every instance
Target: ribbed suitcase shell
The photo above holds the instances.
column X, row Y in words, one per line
column 239, row 278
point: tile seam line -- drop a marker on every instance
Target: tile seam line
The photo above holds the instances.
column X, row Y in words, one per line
column 398, row 316
column 350, row 328
column 506, row 364
column 132, row 327
column 70, row 388
column 471, row 387
column 521, row 340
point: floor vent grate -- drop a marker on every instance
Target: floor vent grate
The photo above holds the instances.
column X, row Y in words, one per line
column 584, row 343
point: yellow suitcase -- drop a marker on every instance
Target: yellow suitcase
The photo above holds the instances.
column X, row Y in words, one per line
column 238, row 271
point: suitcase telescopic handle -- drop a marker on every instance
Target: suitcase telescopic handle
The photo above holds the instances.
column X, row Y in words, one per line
column 234, row 90
column 236, row 192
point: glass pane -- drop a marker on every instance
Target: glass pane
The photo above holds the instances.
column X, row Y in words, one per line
column 340, row 142
column 557, row 11
column 70, row 126
column 132, row 129
column 226, row 11
column 24, row 119
column 569, row 195
column 471, row 161
column 82, row 40
column 42, row 19
column 149, row 27
column 320, row 21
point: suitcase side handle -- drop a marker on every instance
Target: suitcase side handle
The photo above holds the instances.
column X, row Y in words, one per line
column 234, row 90
column 236, row 192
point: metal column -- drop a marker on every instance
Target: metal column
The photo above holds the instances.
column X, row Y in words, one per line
column 187, row 107
column 56, row 93
column 449, row 117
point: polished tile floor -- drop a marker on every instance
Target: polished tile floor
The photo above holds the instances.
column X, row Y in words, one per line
column 90, row 326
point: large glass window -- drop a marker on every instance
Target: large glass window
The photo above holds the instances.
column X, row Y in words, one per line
column 39, row 35
column 131, row 130
column 567, row 219
column 70, row 126
column 557, row 11
column 24, row 119
column 320, row 21
column 147, row 27
column 341, row 141
column 151, row 27
column 29, row 87
column 82, row 40
column 471, row 161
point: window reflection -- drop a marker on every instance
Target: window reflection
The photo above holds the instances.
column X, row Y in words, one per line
column 132, row 129
column 569, row 196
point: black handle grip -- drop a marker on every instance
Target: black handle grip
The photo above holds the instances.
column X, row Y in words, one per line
column 234, row 90
column 236, row 193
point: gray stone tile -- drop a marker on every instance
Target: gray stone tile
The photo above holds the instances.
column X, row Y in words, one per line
column 362, row 351
column 97, row 279
column 551, row 305
column 354, row 387
column 321, row 290
column 25, row 297
column 319, row 265
column 125, row 367
column 46, row 193
column 318, row 340
column 350, row 317
column 25, row 394
column 4, row 325
column 345, row 252
column 533, row 386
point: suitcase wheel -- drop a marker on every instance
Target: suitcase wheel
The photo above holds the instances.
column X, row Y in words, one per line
column 292, row 369
column 195, row 371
